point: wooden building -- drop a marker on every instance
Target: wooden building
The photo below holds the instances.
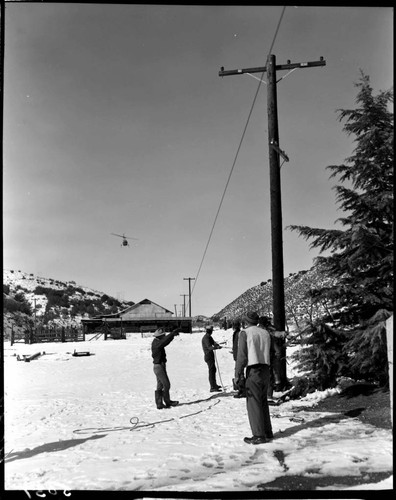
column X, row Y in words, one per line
column 145, row 316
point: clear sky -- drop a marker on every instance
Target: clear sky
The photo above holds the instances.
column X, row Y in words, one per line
column 116, row 121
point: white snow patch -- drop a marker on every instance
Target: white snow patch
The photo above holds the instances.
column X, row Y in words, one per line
column 68, row 424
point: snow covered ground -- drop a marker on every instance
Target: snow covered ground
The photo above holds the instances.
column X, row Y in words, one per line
column 90, row 423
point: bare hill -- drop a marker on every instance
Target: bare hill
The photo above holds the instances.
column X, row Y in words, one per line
column 27, row 297
column 299, row 303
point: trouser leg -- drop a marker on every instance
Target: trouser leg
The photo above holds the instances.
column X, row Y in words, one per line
column 212, row 373
column 257, row 381
column 163, row 384
column 158, row 400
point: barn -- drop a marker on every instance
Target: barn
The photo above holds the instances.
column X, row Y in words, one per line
column 144, row 316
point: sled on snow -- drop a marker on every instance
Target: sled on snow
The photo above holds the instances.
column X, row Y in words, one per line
column 28, row 357
column 81, row 353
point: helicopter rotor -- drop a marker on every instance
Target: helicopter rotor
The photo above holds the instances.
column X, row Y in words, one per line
column 124, row 237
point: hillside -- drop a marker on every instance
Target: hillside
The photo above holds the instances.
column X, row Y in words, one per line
column 65, row 302
column 300, row 306
column 26, row 296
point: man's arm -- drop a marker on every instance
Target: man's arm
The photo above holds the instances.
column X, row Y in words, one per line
column 209, row 344
column 279, row 334
column 167, row 339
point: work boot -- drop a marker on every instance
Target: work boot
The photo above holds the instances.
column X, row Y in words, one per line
column 167, row 400
column 158, row 400
column 255, row 440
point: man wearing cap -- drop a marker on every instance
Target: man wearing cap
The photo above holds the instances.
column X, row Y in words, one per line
column 208, row 346
column 254, row 354
column 162, row 396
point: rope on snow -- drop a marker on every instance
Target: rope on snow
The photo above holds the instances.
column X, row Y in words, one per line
column 136, row 425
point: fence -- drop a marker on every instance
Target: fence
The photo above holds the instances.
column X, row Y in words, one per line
column 49, row 334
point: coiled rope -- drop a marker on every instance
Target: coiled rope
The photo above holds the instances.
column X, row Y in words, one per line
column 137, row 425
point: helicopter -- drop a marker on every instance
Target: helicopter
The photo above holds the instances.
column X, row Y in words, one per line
column 124, row 239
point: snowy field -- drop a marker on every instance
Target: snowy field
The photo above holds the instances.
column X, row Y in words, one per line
column 90, row 423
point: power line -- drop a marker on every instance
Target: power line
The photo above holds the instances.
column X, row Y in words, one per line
column 237, row 154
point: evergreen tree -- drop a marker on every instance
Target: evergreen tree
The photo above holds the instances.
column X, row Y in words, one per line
column 360, row 259
column 361, row 256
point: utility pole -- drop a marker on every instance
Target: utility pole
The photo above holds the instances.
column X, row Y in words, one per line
column 278, row 294
column 34, row 300
column 175, row 311
column 184, row 295
column 189, row 293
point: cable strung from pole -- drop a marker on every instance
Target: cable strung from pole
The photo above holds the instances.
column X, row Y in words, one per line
column 237, row 153
column 276, row 32
column 227, row 183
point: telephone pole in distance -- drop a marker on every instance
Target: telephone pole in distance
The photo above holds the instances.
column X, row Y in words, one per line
column 189, row 294
column 184, row 295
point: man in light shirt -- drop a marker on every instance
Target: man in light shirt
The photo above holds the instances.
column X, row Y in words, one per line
column 254, row 355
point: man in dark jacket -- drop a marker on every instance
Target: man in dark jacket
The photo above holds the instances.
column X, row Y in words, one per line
column 236, row 326
column 208, row 346
column 162, row 396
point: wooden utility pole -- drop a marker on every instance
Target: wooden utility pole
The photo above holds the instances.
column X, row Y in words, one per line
column 189, row 294
column 35, row 322
column 278, row 294
column 184, row 295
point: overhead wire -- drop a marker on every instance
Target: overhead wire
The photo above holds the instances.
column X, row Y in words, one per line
column 237, row 153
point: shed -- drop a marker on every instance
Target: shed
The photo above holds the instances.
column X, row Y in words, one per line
column 145, row 316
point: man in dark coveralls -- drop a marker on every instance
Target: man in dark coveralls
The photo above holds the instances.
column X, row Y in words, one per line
column 236, row 325
column 254, row 354
column 208, row 346
column 162, row 396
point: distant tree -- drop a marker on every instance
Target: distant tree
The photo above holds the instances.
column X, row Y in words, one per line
column 64, row 301
column 20, row 297
column 91, row 310
column 17, row 304
column 361, row 255
column 82, row 308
